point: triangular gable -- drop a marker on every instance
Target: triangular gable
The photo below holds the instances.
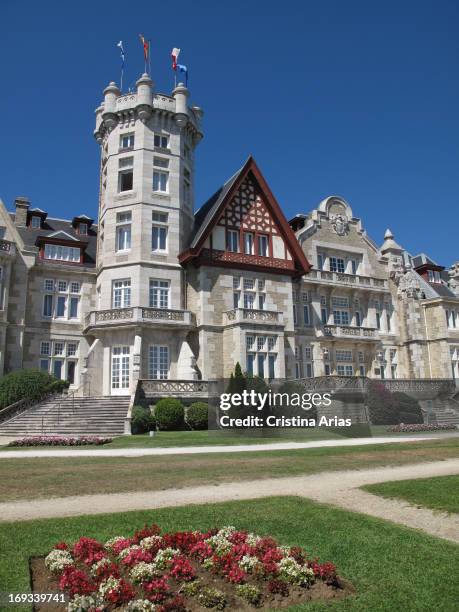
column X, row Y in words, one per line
column 246, row 201
column 62, row 236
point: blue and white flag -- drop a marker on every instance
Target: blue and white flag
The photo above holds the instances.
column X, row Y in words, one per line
column 120, row 45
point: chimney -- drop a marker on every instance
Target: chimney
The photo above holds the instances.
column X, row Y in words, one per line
column 22, row 206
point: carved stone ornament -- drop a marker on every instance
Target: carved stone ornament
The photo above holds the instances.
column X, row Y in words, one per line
column 409, row 286
column 340, row 224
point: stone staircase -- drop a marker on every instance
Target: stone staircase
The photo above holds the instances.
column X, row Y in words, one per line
column 102, row 416
column 446, row 416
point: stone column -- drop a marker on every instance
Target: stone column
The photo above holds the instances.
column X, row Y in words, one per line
column 136, row 360
column 186, row 362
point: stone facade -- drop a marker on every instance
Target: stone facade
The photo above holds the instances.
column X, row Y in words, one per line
column 157, row 292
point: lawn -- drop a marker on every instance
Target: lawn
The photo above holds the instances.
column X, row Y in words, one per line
column 55, row 477
column 441, row 493
column 393, row 568
column 215, row 438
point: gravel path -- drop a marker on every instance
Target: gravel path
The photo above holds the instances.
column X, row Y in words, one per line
column 192, row 450
column 337, row 488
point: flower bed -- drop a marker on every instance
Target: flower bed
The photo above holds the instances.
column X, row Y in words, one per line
column 182, row 571
column 402, row 428
column 61, row 441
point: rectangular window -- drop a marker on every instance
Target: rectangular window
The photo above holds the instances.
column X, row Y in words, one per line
column 62, row 253
column 261, row 343
column 378, row 320
column 353, row 266
column 341, row 317
column 125, row 174
column 73, row 310
column 236, row 296
column 306, row 318
column 236, row 282
column 261, row 301
column 232, row 241
column 271, row 366
column 324, row 316
column 263, row 245
column 123, row 238
column 44, row 365
column 250, row 362
column 308, row 370
column 343, row 355
column 72, row 349
column 249, row 300
column 161, row 141
column 272, row 343
column 161, row 162
column 159, row 217
column 75, row 287
column 388, row 322
column 320, row 261
column 327, row 369
column 48, row 306
column 45, row 348
column 336, row 264
column 49, row 285
column 59, row 348
column 121, row 294
column 344, row 370
column 250, row 342
column 35, row 222
column 61, row 306
column 160, row 181
column 249, row 284
column 358, row 318
column 261, row 365
column 248, row 243
column 83, row 229
column 158, row 238
column 126, row 141
column 307, row 352
column 159, row 362
column 295, row 315
column 159, row 294
column 340, row 302
column 62, row 286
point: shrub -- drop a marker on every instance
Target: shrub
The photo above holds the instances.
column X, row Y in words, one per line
column 28, row 384
column 197, row 415
column 142, row 420
column 209, row 597
column 407, row 408
column 169, row 414
column 250, row 593
column 61, row 441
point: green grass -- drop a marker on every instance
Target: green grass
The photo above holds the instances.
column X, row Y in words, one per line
column 54, row 477
column 163, row 439
column 440, row 493
column 394, row 569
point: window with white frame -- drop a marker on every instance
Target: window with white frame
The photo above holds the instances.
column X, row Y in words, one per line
column 337, row 264
column 159, row 231
column 126, row 141
column 261, row 355
column 158, row 362
column 306, row 315
column 343, row 355
column 123, row 230
column 160, row 175
column 248, row 243
column 59, row 357
column 35, row 222
column 434, row 276
column 121, row 297
column 452, row 319
column 344, row 370
column 159, row 293
column 61, row 299
column 341, row 317
column 232, row 241
column 62, row 253
column 161, row 141
column 83, row 229
column 263, row 245
column 125, row 174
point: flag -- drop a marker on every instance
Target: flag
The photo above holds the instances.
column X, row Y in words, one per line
column 120, row 45
column 146, row 46
column 174, row 55
column 184, row 69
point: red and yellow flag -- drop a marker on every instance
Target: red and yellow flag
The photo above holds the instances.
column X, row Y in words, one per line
column 146, row 46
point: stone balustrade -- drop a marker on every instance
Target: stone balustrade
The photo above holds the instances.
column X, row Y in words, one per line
column 174, row 388
column 348, row 331
column 355, row 280
column 243, row 315
column 138, row 315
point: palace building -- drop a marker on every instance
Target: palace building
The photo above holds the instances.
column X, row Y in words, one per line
column 160, row 293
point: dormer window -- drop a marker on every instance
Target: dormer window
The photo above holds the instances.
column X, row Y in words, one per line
column 83, row 229
column 434, row 276
column 35, row 222
column 62, row 253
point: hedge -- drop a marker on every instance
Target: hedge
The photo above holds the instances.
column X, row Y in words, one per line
column 197, row 415
column 28, row 384
column 169, row 414
column 142, row 420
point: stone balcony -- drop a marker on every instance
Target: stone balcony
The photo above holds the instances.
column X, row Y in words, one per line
column 7, row 248
column 247, row 315
column 196, row 389
column 349, row 332
column 139, row 315
column 352, row 280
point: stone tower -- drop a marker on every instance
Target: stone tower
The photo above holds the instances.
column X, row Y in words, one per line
column 147, row 143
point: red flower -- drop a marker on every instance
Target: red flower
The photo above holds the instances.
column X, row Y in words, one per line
column 76, row 582
column 121, row 545
column 181, row 569
column 85, row 550
column 236, row 575
column 105, row 571
column 298, row 554
column 183, row 540
column 61, row 546
column 157, row 589
column 121, row 594
column 201, row 550
column 135, row 556
column 174, row 605
column 325, row 571
column 146, row 532
column 278, row 586
column 238, row 537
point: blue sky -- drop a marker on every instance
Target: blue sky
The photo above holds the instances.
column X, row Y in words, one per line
column 351, row 98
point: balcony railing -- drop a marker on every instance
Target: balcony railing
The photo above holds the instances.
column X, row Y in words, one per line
column 239, row 315
column 174, row 388
column 347, row 331
column 355, row 280
column 139, row 314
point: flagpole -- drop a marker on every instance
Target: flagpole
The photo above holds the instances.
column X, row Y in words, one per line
column 149, row 58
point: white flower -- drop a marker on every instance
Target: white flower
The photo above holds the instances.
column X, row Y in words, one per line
column 224, row 532
column 293, row 572
column 163, row 556
column 252, row 539
column 58, row 559
column 248, row 563
column 126, row 551
column 82, row 603
column 101, row 563
column 150, row 541
column 142, row 572
column 111, row 584
column 140, row 605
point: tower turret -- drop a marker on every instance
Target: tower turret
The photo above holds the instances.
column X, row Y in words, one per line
column 180, row 94
column 111, row 93
column 144, row 97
